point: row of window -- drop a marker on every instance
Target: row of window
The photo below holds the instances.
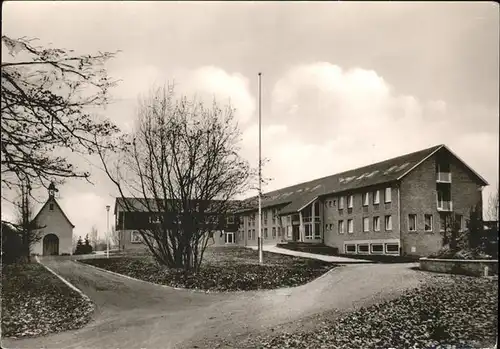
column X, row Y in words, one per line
column 274, row 214
column 429, row 222
column 373, row 248
column 366, row 225
column 365, row 197
column 265, row 233
column 155, row 219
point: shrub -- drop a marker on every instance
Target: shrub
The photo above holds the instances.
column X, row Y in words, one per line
column 12, row 247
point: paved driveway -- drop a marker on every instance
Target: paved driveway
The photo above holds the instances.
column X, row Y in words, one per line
column 134, row 314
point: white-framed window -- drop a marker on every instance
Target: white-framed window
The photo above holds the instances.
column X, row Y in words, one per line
column 363, row 248
column 377, row 248
column 331, row 226
column 229, row 238
column 253, row 234
column 265, row 233
column 388, row 194
column 412, row 222
column 334, row 203
column 135, row 237
column 273, row 232
column 350, row 248
column 275, row 212
column 366, row 224
column 376, row 223
column 250, row 234
column 443, row 221
column 308, row 231
column 230, row 219
column 341, row 203
column 317, row 230
column 365, row 199
column 350, row 226
column 388, row 222
column 376, row 197
column 428, row 222
column 154, row 219
column 341, row 227
column 392, row 248
column 289, row 232
column 350, row 201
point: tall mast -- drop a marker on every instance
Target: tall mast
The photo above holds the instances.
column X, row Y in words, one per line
column 260, row 173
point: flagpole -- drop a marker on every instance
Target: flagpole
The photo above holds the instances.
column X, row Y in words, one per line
column 260, row 175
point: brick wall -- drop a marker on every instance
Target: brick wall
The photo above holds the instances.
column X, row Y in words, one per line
column 419, row 196
column 332, row 215
column 266, row 223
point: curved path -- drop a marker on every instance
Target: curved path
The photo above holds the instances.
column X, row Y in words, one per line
column 135, row 314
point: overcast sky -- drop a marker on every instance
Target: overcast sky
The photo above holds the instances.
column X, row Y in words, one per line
column 344, row 84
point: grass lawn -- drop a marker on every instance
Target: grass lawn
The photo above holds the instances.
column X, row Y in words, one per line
column 35, row 302
column 448, row 310
column 223, row 269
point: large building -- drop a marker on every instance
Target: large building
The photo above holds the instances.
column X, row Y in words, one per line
column 135, row 214
column 397, row 207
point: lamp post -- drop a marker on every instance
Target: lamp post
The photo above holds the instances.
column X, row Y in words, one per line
column 107, row 231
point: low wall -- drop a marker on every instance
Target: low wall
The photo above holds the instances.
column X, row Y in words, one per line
column 459, row 266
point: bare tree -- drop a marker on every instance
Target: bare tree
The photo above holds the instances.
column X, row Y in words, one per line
column 28, row 228
column 114, row 237
column 47, row 98
column 93, row 236
column 182, row 166
column 492, row 210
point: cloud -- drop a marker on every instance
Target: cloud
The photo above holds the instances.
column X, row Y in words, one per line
column 211, row 82
column 333, row 120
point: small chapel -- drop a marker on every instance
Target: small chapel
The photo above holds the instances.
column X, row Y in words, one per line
column 57, row 231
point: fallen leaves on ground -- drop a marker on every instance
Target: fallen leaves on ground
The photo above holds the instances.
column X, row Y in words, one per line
column 227, row 269
column 450, row 311
column 35, row 302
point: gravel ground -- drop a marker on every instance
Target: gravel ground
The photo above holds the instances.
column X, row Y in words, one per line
column 446, row 311
column 134, row 314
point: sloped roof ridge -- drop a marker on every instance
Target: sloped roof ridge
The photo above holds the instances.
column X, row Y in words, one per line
column 351, row 170
column 60, row 209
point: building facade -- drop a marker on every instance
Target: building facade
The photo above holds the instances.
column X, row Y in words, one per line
column 57, row 230
column 400, row 206
column 133, row 215
column 397, row 207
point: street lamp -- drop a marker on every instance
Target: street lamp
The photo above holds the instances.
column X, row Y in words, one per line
column 107, row 231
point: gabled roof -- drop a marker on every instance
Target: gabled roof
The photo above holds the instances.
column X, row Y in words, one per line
column 151, row 205
column 300, row 195
column 53, row 200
